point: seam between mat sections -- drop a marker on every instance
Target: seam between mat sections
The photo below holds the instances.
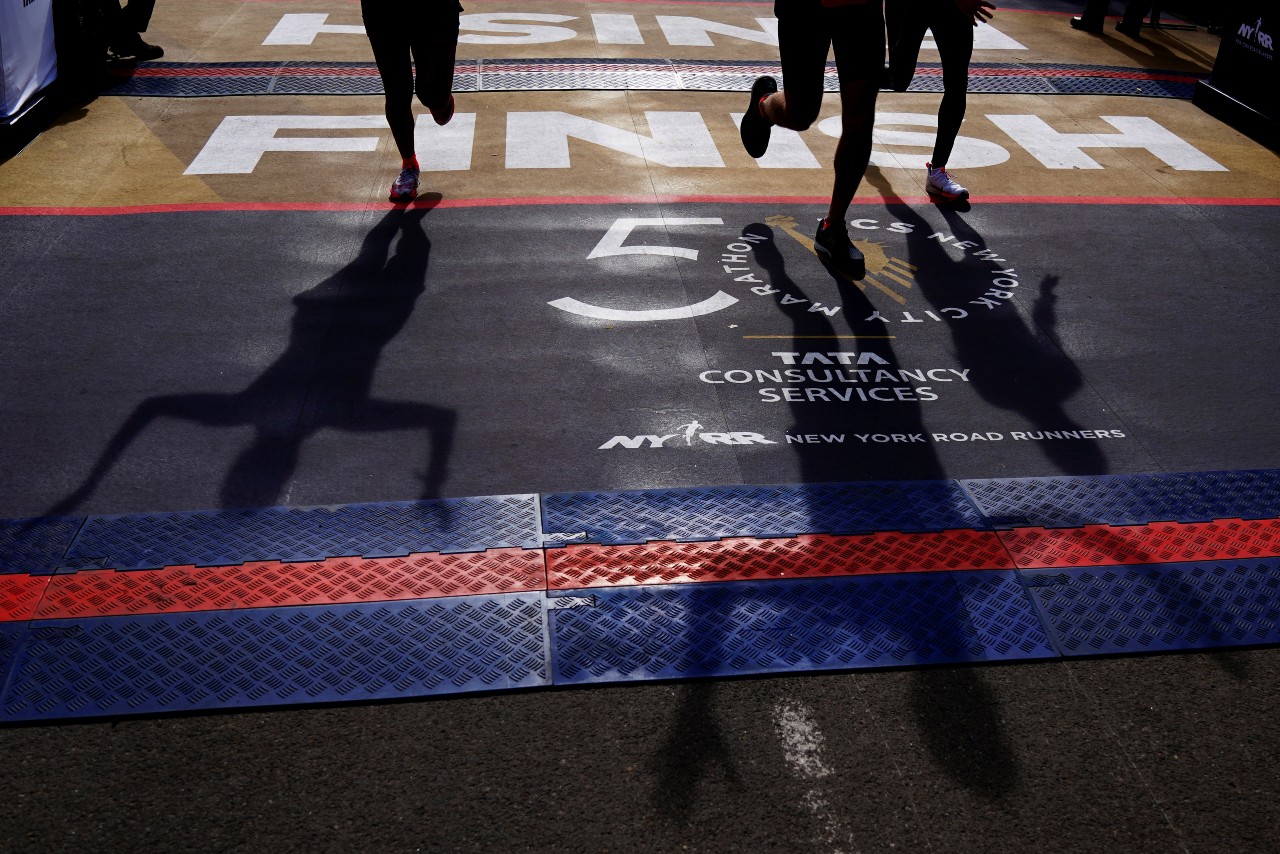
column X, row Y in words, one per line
column 702, row 598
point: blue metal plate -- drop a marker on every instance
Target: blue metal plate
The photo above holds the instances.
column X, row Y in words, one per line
column 217, row 79
column 756, row 511
column 35, row 545
column 1121, row 86
column 273, row 656
column 1068, row 502
column 1160, row 607
column 1248, row 494
column 221, row 537
column 682, row 631
column 11, row 635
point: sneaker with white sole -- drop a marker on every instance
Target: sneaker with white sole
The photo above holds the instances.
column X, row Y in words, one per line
column 405, row 187
column 942, row 185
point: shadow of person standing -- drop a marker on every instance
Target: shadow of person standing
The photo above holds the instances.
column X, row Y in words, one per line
column 1014, row 364
column 957, row 713
column 322, row 380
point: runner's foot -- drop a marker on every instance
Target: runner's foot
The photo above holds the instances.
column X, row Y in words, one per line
column 940, row 185
column 1132, row 30
column 405, row 187
column 755, row 127
column 833, row 245
column 135, row 49
column 1079, row 24
column 445, row 113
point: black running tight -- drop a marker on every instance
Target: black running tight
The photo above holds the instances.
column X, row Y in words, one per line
column 907, row 21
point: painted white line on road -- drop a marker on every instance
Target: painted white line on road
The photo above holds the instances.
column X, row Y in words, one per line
column 802, row 748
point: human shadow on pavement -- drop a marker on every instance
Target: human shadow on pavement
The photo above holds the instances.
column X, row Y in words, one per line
column 957, row 713
column 322, row 380
column 1014, row 365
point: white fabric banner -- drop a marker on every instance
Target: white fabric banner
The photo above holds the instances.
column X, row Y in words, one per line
column 28, row 61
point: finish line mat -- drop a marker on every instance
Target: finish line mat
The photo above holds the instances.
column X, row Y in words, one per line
column 111, row 641
column 599, row 306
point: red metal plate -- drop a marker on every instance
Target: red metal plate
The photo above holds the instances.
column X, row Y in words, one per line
column 273, row 584
column 1158, row 542
column 19, row 596
column 749, row 558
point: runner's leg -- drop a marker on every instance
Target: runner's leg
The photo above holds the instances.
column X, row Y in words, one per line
column 954, row 36
column 803, row 44
column 435, row 48
column 391, row 52
column 906, row 22
column 858, row 38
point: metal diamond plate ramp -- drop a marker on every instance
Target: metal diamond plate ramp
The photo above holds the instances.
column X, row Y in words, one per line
column 1159, row 542
column 756, row 511
column 170, row 663
column 191, row 87
column 1247, row 494
column 749, row 559
column 1121, row 86
column 11, row 635
column 267, row 584
column 1153, row 608
column 222, row 537
column 677, row 632
column 35, row 545
column 20, row 594
column 1068, row 502
column 1011, row 85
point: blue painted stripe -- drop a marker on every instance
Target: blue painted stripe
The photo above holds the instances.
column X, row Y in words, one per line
column 682, row 631
column 1160, row 607
column 1069, row 502
column 222, row 537
column 756, row 511
column 226, row 659
column 11, row 635
column 35, row 545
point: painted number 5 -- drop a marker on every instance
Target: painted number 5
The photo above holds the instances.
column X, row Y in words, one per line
column 613, row 243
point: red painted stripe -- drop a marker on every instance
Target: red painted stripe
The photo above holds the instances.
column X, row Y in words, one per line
column 767, row 3
column 247, row 72
column 577, row 67
column 20, row 596
column 753, row 559
column 528, row 201
column 269, row 584
column 1158, row 542
column 276, row 584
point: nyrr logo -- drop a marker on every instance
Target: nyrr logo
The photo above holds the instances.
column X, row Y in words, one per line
column 689, row 432
column 1255, row 34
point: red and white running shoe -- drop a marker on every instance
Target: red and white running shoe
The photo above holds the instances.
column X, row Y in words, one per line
column 405, row 187
column 941, row 185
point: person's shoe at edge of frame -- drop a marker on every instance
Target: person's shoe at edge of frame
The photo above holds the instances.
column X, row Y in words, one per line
column 1079, row 24
column 832, row 244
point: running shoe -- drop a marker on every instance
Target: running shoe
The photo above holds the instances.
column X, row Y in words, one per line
column 134, row 49
column 406, row 186
column 445, row 113
column 941, row 185
column 754, row 127
column 1079, row 24
column 1132, row 29
column 833, row 245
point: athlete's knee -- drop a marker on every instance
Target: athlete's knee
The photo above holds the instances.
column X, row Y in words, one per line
column 800, row 116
